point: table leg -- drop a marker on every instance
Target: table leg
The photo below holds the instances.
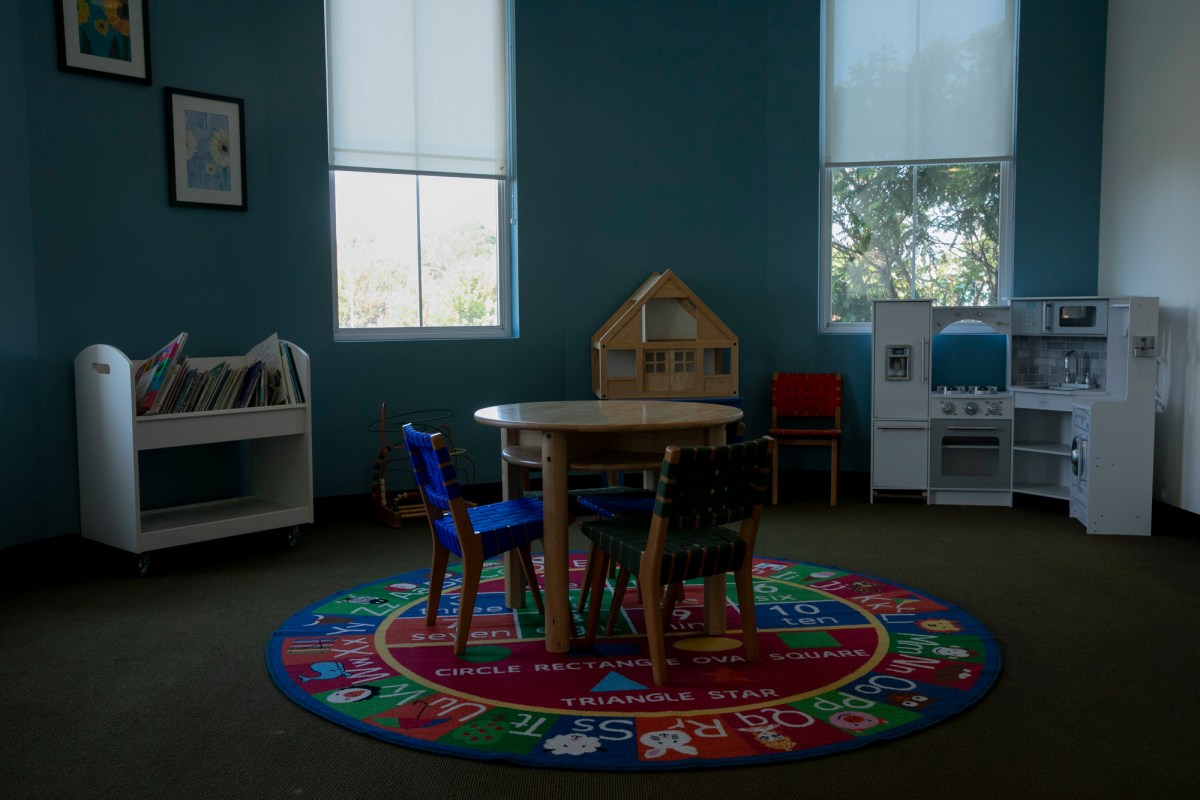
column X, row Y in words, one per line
column 510, row 486
column 559, row 621
column 715, row 593
column 715, row 599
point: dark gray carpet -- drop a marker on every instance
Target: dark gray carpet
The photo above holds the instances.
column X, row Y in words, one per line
column 114, row 686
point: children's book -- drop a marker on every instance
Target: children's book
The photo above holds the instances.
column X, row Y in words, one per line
column 269, row 353
column 150, row 376
column 295, row 390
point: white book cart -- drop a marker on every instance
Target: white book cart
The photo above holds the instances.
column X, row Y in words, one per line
column 277, row 470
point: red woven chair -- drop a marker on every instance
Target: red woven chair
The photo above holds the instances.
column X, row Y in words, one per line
column 797, row 400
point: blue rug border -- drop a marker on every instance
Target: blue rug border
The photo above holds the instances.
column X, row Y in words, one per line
column 283, row 682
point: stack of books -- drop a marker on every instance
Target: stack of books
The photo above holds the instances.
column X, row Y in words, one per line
column 266, row 376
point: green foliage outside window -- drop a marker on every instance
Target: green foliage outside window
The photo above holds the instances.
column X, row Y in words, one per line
column 914, row 231
column 458, row 286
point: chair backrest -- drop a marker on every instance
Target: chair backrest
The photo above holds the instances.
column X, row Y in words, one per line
column 702, row 487
column 432, row 467
column 806, row 394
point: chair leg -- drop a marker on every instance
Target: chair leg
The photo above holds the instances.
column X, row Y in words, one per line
column 466, row 603
column 833, row 473
column 586, row 584
column 531, row 577
column 437, row 577
column 744, row 582
column 673, row 594
column 597, row 593
column 775, row 475
column 652, row 610
column 617, row 599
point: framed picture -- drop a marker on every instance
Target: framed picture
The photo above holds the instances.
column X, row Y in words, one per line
column 206, row 155
column 104, row 37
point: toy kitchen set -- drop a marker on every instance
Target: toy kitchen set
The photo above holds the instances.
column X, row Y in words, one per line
column 1053, row 397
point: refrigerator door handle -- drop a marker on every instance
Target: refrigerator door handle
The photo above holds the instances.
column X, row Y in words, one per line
column 926, row 357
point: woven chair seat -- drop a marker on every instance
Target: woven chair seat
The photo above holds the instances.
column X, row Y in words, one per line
column 618, row 501
column 687, row 554
column 538, row 494
column 499, row 526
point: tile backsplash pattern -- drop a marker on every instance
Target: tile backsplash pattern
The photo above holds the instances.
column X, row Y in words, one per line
column 1039, row 359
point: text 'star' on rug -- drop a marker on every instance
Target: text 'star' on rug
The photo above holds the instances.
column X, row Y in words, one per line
column 845, row 660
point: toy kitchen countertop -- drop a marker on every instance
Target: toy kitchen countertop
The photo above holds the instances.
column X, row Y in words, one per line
column 1069, row 389
column 1054, row 397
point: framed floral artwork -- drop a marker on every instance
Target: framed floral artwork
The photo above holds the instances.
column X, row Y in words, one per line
column 110, row 38
column 206, row 155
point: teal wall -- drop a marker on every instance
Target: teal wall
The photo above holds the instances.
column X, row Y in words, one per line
column 21, row 421
column 1060, row 115
column 652, row 134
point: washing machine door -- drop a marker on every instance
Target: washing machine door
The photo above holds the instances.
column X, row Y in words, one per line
column 1081, row 423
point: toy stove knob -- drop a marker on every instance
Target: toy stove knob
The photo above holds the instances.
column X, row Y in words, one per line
column 971, row 407
column 947, row 407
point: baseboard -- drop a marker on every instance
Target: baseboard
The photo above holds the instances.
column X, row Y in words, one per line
column 1169, row 520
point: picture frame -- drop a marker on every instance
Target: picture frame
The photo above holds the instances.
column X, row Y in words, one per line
column 206, row 155
column 110, row 39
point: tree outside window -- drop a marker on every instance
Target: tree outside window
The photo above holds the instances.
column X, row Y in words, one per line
column 927, row 231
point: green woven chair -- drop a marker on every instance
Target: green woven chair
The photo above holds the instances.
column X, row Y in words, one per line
column 700, row 491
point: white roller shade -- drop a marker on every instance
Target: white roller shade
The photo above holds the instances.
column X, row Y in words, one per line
column 418, row 85
column 919, row 80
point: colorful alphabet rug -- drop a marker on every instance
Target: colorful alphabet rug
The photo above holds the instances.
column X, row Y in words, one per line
column 845, row 660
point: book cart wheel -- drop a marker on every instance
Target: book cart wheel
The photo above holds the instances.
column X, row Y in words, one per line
column 141, row 564
column 291, row 537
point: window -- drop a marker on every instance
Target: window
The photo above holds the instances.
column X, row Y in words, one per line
column 918, row 109
column 420, row 167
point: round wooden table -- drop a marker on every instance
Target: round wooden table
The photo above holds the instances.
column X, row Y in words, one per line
column 559, row 435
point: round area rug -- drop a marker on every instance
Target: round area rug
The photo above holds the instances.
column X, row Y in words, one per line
column 845, row 659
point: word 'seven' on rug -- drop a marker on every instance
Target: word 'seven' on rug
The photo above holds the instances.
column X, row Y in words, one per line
column 845, row 659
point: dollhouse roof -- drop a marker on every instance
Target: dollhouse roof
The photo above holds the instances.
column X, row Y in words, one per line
column 626, row 324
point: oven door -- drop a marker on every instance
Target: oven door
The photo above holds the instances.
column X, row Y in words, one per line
column 970, row 454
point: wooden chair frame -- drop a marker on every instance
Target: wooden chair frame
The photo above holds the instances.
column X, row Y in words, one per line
column 796, row 395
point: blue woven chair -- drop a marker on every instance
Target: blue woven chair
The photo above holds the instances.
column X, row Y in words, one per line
column 700, row 491
column 473, row 533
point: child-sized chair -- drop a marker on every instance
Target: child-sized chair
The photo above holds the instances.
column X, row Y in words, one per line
column 701, row 490
column 804, row 397
column 473, row 533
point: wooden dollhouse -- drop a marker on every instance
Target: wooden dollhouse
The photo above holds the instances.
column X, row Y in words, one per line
column 663, row 342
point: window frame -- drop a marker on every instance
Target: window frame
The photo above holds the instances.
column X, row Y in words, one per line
column 506, row 227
